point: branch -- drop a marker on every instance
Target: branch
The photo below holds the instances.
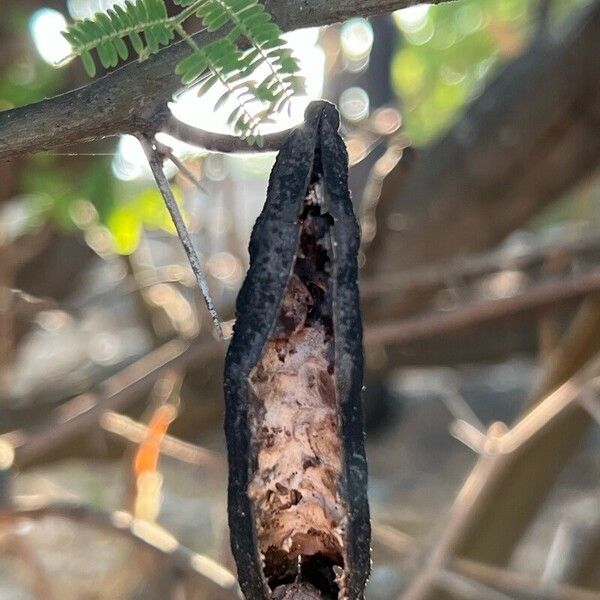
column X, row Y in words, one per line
column 519, row 584
column 537, row 297
column 132, row 431
column 133, row 99
column 167, row 153
column 156, row 165
column 518, row 468
column 146, row 535
column 84, row 412
column 220, row 142
column 574, row 245
column 529, row 137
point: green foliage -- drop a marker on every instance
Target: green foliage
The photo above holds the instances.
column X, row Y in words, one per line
column 25, row 77
column 55, row 185
column 448, row 53
column 128, row 219
column 147, row 27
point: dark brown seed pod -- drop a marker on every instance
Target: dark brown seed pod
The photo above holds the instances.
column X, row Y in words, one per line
column 298, row 510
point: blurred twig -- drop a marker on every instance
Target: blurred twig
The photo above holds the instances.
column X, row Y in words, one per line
column 502, row 162
column 534, row 298
column 580, row 342
column 467, row 268
column 135, row 432
column 82, row 413
column 516, row 471
column 518, row 584
column 146, row 535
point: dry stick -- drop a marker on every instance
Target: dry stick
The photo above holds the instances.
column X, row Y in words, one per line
column 155, row 162
column 465, row 587
column 132, row 431
column 84, row 412
column 500, row 453
column 572, row 352
column 404, row 331
column 519, row 584
column 472, row 266
column 146, row 535
column 167, row 152
column 510, row 468
column 509, row 581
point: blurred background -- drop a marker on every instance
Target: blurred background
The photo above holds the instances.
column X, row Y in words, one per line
column 473, row 129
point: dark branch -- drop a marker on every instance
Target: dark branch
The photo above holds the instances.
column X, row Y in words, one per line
column 133, row 99
column 220, row 142
column 531, row 135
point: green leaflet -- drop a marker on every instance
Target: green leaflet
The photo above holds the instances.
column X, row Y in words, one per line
column 143, row 27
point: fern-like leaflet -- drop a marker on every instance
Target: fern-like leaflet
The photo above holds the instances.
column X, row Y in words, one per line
column 147, row 26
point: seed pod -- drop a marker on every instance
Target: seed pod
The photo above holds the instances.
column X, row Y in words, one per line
column 298, row 510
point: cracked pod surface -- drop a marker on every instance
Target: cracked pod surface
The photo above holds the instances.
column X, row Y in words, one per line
column 298, row 510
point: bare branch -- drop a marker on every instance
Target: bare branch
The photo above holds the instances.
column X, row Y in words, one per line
column 574, row 245
column 553, row 293
column 135, row 432
column 518, row 467
column 142, row 533
column 519, row 584
column 133, row 99
column 220, row 142
column 156, row 165
column 167, row 152
column 83, row 412
column 531, row 135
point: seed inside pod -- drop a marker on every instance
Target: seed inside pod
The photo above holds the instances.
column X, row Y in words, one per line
column 294, row 418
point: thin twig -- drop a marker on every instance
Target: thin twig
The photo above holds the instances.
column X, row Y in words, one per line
column 155, row 162
column 392, row 538
column 220, row 142
column 574, row 245
column 461, row 586
column 519, row 584
column 132, row 431
column 82, row 413
column 504, row 449
column 537, row 297
column 146, row 535
column 167, row 152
